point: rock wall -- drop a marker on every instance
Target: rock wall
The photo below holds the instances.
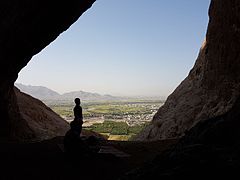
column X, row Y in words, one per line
column 41, row 121
column 212, row 86
column 26, row 27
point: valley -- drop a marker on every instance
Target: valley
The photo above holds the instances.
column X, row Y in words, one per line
column 115, row 117
column 118, row 120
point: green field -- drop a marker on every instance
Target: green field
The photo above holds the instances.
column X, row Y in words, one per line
column 121, row 120
column 117, row 130
column 110, row 110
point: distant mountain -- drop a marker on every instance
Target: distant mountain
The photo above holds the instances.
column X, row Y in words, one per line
column 87, row 96
column 38, row 92
column 47, row 95
column 44, row 93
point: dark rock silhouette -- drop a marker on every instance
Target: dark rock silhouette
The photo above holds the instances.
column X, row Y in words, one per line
column 72, row 140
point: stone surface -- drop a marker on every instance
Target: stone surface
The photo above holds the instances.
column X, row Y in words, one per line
column 212, row 86
column 26, row 27
column 42, row 122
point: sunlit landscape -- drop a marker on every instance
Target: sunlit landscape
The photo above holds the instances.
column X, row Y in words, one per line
column 117, row 120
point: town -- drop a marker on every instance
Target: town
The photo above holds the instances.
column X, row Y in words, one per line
column 133, row 113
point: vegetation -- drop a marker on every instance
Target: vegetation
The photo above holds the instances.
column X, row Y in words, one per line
column 119, row 120
column 111, row 110
column 117, row 130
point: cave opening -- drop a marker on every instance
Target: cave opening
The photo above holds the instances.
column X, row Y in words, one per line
column 203, row 110
column 116, row 55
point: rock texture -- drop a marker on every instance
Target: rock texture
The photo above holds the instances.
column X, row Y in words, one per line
column 212, row 86
column 41, row 121
column 26, row 27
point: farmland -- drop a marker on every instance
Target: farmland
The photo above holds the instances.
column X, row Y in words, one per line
column 117, row 120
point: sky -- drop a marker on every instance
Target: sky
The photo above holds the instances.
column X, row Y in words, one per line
column 124, row 47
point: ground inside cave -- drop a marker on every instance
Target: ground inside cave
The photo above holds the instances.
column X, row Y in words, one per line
column 46, row 160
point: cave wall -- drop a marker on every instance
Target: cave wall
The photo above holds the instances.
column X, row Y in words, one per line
column 26, row 27
column 212, row 86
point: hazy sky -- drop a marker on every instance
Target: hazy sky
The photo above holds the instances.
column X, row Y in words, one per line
column 124, row 47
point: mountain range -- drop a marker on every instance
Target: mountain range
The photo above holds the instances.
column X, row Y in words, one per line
column 44, row 93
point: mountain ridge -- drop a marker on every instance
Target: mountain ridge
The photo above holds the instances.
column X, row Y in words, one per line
column 44, row 93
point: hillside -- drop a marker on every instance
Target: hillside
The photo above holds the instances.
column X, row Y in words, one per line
column 42, row 122
column 38, row 92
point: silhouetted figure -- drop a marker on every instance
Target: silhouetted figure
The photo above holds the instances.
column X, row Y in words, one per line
column 78, row 117
column 78, row 110
column 72, row 139
column 73, row 142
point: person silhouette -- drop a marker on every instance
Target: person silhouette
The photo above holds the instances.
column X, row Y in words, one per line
column 78, row 117
column 73, row 142
column 72, row 139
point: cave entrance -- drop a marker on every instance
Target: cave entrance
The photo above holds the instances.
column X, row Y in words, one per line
column 128, row 55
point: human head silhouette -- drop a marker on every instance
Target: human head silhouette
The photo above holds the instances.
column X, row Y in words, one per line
column 77, row 101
